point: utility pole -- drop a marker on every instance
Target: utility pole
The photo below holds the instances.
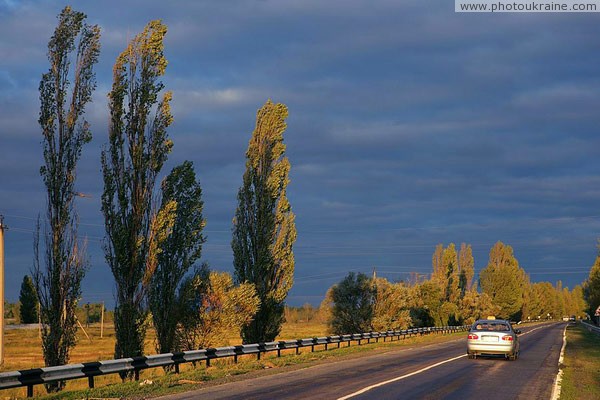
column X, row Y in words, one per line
column 2, row 228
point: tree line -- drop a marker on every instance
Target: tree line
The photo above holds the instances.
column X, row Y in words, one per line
column 154, row 229
column 451, row 296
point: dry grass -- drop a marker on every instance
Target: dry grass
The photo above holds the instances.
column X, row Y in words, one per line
column 22, row 350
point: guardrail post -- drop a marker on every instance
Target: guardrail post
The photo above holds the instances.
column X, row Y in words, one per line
column 258, row 355
column 177, row 368
column 29, row 390
column 207, row 362
column 312, row 348
column 297, row 350
column 278, row 352
column 326, row 347
column 359, row 340
column 137, row 375
column 235, row 358
column 91, row 382
column 339, row 343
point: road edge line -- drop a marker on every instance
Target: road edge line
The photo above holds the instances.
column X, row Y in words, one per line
column 366, row 389
column 561, row 358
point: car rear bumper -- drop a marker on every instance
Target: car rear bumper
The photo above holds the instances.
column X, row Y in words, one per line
column 486, row 348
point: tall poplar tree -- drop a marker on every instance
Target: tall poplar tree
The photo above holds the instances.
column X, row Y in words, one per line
column 504, row 281
column 450, row 267
column 263, row 228
column 591, row 288
column 466, row 264
column 137, row 149
column 65, row 90
column 181, row 249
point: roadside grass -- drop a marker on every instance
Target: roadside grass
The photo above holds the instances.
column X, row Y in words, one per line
column 190, row 377
column 581, row 370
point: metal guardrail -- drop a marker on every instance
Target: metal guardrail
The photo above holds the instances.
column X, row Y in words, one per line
column 591, row 327
column 31, row 377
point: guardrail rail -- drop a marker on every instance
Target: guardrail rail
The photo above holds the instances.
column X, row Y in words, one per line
column 38, row 376
column 591, row 327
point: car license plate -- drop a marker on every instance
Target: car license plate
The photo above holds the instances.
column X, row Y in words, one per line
column 490, row 338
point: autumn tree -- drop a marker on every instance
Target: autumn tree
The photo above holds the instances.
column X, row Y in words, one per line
column 392, row 306
column 353, row 304
column 591, row 287
column 504, row 281
column 213, row 308
column 181, row 249
column 439, row 274
column 466, row 267
column 578, row 302
column 28, row 298
column 474, row 306
column 65, row 90
column 263, row 227
column 426, row 308
column 137, row 149
column 450, row 268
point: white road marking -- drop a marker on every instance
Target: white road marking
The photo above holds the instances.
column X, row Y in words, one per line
column 400, row 377
column 558, row 380
column 366, row 389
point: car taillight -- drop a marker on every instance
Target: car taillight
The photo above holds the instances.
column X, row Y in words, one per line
column 472, row 336
column 508, row 338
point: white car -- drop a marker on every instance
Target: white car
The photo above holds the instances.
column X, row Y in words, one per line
column 490, row 337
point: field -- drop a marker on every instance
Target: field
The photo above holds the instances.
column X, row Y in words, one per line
column 22, row 350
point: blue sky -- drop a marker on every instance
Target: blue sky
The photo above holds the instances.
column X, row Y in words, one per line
column 410, row 125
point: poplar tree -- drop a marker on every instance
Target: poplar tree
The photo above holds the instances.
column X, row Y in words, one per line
column 181, row 249
column 65, row 90
column 591, row 287
column 504, row 281
column 450, row 268
column 466, row 264
column 263, row 227
column 137, row 149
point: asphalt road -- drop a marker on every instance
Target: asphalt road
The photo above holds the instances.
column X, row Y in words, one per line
column 439, row 371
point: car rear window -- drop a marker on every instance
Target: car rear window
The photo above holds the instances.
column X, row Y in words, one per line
column 491, row 326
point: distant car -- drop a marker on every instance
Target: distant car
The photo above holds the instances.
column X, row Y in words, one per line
column 493, row 337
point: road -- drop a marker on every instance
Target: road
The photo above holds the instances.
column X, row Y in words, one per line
column 439, row 371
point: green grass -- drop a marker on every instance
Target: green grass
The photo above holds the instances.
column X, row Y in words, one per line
column 581, row 367
column 225, row 370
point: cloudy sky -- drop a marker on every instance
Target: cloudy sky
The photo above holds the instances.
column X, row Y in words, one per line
column 410, row 125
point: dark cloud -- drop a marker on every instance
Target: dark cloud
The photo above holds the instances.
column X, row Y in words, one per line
column 409, row 125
